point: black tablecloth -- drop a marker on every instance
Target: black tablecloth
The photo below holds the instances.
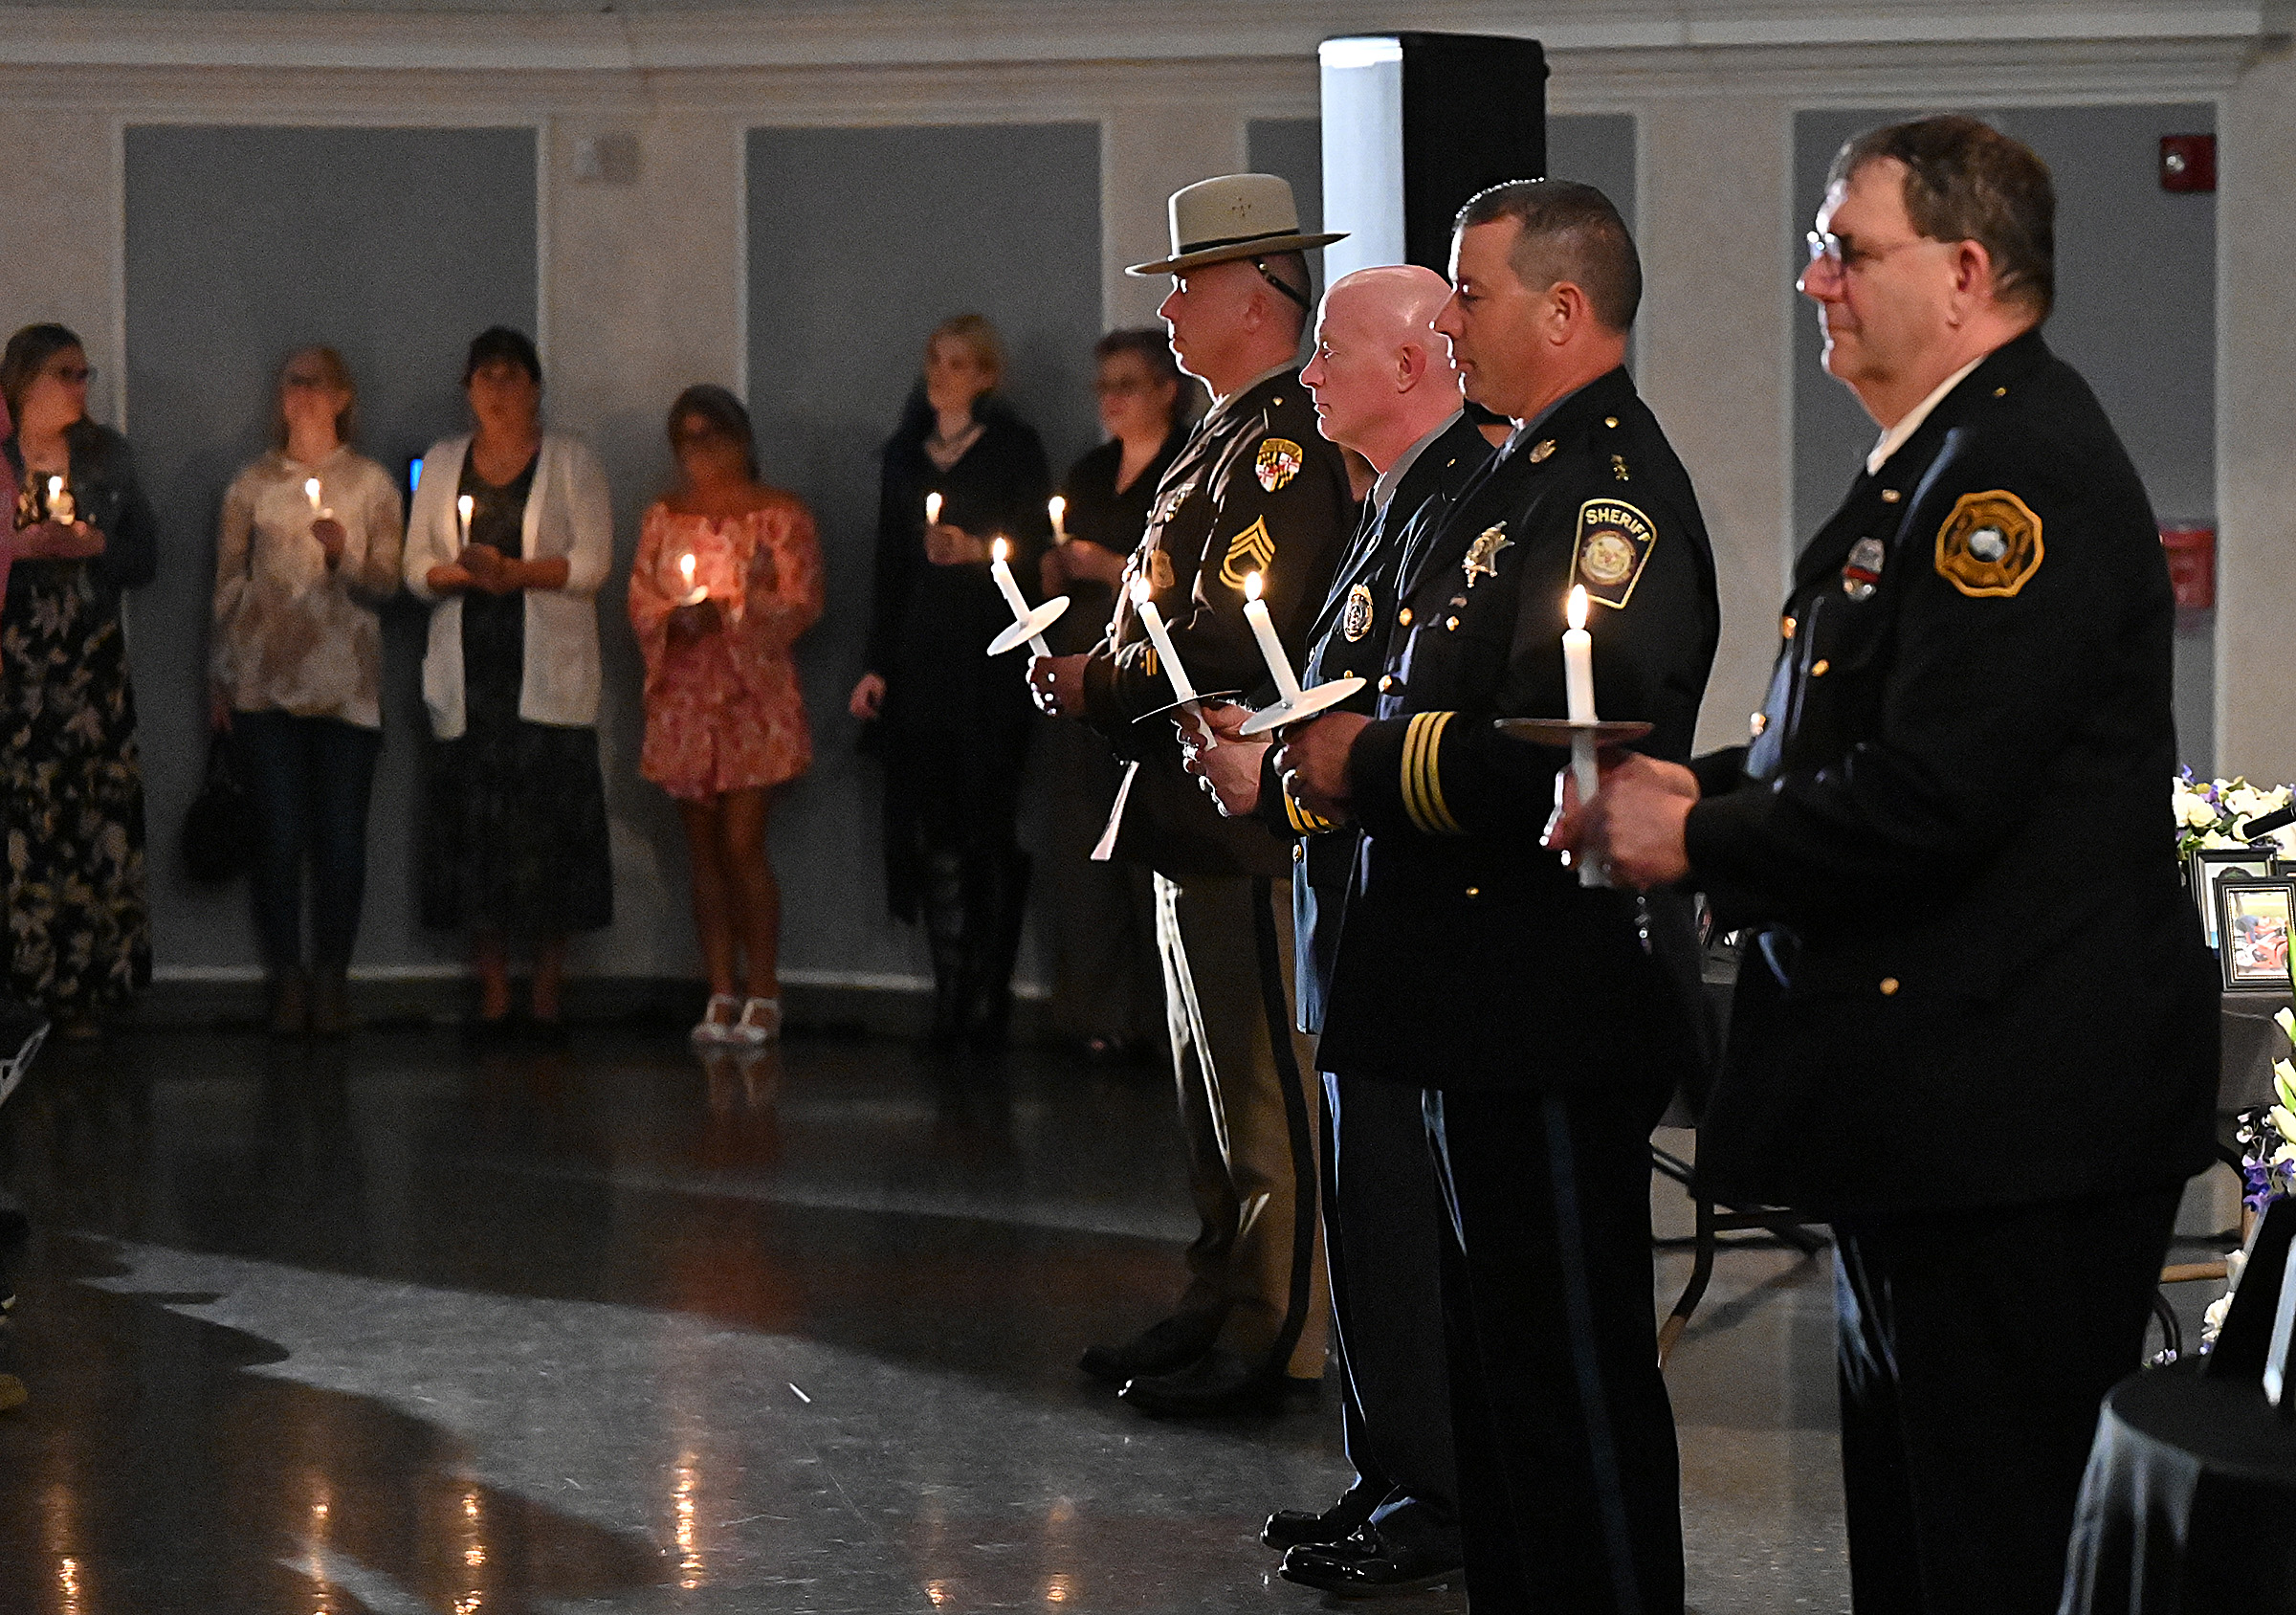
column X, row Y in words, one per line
column 2190, row 1502
column 2251, row 1044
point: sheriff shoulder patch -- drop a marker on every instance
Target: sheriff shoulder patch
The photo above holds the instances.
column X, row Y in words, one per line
column 1249, row 551
column 1278, row 462
column 1615, row 540
column 1990, row 546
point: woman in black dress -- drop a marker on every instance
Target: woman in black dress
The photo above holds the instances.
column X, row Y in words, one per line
column 510, row 533
column 952, row 724
column 1107, row 985
column 71, row 784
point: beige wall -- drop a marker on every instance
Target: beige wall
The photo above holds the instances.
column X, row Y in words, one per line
column 643, row 274
column 2256, row 443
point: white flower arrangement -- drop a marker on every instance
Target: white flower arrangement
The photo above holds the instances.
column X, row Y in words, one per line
column 2211, row 812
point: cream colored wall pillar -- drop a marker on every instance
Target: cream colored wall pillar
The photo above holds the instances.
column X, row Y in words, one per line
column 59, row 191
column 1147, row 152
column 642, row 299
column 2256, row 427
column 1712, row 351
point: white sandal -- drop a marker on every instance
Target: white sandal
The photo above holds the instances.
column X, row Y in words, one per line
column 760, row 1020
column 713, row 1028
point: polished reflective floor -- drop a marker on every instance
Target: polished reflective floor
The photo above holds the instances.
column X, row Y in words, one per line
column 408, row 1328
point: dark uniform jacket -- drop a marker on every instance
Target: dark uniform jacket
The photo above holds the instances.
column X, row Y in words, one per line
column 1347, row 637
column 1257, row 489
column 1469, row 956
column 1973, row 977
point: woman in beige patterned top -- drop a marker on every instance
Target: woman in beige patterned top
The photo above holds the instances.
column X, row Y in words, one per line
column 308, row 550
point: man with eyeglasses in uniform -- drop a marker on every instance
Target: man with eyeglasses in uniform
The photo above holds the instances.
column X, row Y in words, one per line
column 1975, row 1025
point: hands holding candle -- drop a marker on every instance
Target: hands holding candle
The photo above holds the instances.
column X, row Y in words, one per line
column 1621, row 816
column 63, row 536
column 325, row 528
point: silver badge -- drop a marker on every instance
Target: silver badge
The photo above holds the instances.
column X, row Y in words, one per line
column 1988, row 544
column 1865, row 568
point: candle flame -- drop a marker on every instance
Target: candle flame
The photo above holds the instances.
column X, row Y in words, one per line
column 311, row 489
column 1251, row 587
column 1576, row 611
column 685, row 566
column 1001, row 550
column 55, row 489
column 465, row 506
column 1140, row 591
column 1058, row 506
column 931, row 510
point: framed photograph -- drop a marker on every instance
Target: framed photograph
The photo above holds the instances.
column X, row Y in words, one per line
column 2253, row 918
column 2211, row 865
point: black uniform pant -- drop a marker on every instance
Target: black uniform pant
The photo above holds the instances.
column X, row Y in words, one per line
column 1569, row 1481
column 1976, row 1347
column 1384, row 1233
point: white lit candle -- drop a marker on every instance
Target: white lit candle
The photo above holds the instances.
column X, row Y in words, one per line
column 1011, row 592
column 1059, row 507
column 61, row 509
column 462, row 509
column 1272, row 648
column 310, row 493
column 696, row 593
column 1161, row 637
column 932, row 509
column 1578, row 686
column 1578, row 659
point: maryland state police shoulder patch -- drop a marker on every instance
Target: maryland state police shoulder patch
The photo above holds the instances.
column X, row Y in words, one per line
column 1278, row 462
column 1990, row 546
column 1615, row 540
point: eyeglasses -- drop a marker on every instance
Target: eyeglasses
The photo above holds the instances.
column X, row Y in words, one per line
column 1841, row 253
column 71, row 375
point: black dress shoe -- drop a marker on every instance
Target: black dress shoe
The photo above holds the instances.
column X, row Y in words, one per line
column 1158, row 1349
column 1289, row 1528
column 1218, row 1381
column 1366, row 1566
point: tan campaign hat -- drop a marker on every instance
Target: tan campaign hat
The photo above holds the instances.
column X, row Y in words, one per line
column 1233, row 216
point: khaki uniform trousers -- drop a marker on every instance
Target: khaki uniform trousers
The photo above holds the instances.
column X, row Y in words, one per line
column 1242, row 1166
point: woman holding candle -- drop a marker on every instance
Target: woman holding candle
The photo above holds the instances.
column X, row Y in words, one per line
column 514, row 837
column 952, row 724
column 71, row 784
column 307, row 552
column 1107, row 988
column 727, row 576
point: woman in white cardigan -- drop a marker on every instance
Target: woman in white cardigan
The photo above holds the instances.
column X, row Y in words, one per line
column 509, row 538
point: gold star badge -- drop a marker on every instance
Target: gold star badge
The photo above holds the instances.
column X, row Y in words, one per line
column 1482, row 555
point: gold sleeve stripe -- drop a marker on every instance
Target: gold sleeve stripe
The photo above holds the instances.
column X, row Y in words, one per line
column 1421, row 781
column 1302, row 820
column 1148, row 660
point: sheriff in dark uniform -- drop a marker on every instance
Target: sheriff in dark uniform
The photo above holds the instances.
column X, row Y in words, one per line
column 1384, row 386
column 1547, row 1022
column 1254, row 493
column 1975, row 1022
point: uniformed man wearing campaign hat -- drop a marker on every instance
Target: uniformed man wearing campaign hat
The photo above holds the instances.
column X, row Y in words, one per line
column 1546, row 1024
column 1254, row 499
column 1975, row 1025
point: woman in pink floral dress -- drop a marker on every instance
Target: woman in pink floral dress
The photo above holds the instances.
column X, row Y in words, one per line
column 727, row 575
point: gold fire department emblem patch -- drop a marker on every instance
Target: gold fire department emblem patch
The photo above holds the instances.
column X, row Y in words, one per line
column 1990, row 546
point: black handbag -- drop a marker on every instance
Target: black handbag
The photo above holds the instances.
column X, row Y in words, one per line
column 219, row 828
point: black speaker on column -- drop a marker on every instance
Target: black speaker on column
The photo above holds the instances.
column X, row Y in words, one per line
column 1413, row 125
